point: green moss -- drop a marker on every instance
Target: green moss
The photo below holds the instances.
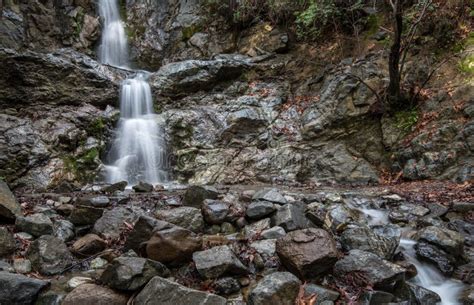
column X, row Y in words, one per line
column 466, row 65
column 405, row 120
column 82, row 167
column 96, row 128
column 188, row 32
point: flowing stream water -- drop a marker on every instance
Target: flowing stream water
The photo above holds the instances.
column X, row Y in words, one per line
column 428, row 276
column 138, row 151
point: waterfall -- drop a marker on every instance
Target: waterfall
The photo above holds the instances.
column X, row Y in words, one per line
column 137, row 152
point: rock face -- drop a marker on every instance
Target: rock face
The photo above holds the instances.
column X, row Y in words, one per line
column 16, row 289
column 49, row 255
column 160, row 291
column 131, row 273
column 172, row 245
column 307, row 253
column 378, row 272
column 214, row 211
column 218, row 261
column 94, row 294
column 279, row 288
column 9, row 207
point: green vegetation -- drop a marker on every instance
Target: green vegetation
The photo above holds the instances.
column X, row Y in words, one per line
column 96, row 128
column 81, row 166
column 406, row 120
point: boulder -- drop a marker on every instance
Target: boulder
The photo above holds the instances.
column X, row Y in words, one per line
column 271, row 195
column 186, row 217
column 89, row 244
column 366, row 239
column 447, row 240
column 445, row 262
column 257, row 228
column 422, row 295
column 259, row 209
column 143, row 187
column 143, row 230
column 278, row 288
column 273, row 233
column 132, row 273
column 196, row 194
column 95, row 201
column 161, row 291
column 407, row 212
column 266, row 248
column 307, row 253
column 16, row 289
column 215, row 211
column 35, row 224
column 226, row 286
column 95, row 294
column 218, row 261
column 22, row 265
column 118, row 186
column 112, row 222
column 49, row 255
column 85, row 215
column 291, row 217
column 378, row 272
column 7, row 242
column 322, row 294
column 9, row 207
column 64, row 230
column 173, row 245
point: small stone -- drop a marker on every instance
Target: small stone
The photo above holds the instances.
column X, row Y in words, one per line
column 7, row 242
column 24, row 236
column 49, row 255
column 196, row 194
column 22, row 265
column 214, row 211
column 278, row 288
column 50, row 202
column 89, row 244
column 94, row 294
column 218, row 261
column 131, row 273
column 64, row 199
column 260, row 209
column 160, row 291
column 271, row 195
column 273, row 233
column 143, row 187
column 35, row 224
column 98, row 263
column 226, row 286
column 308, row 252
column 79, row 280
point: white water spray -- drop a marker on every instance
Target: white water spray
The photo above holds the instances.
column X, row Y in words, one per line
column 137, row 153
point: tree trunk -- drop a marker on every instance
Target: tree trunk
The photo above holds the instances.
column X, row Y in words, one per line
column 394, row 90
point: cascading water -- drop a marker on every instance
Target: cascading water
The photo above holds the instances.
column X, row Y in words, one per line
column 137, row 153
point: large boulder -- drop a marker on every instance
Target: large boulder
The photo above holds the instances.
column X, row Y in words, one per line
column 143, row 230
column 95, row 294
column 160, row 291
column 260, row 209
column 447, row 240
column 49, row 255
column 291, row 217
column 187, row 217
column 112, row 222
column 16, row 289
column 9, row 207
column 35, row 224
column 218, row 261
column 173, row 245
column 378, row 272
column 278, row 288
column 131, row 273
column 196, row 194
column 307, row 253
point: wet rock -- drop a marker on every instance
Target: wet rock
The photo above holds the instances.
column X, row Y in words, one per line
column 257, row 228
column 467, row 296
column 259, row 209
column 89, row 244
column 447, row 240
column 430, row 253
column 218, row 261
column 119, row 186
column 16, row 289
column 94, row 294
column 279, row 288
column 273, row 233
column 322, row 294
column 22, row 265
column 335, row 217
column 464, row 228
column 407, row 212
column 9, row 207
column 465, row 273
column 143, row 230
column 187, row 217
column 160, row 291
column 378, row 272
column 173, row 245
column 50, row 298
column 214, row 211
column 95, row 201
column 78, row 281
column 64, row 230
column 463, row 207
column 291, row 217
column 143, row 187
column 35, row 224
column 266, row 247
column 307, row 253
column 85, row 215
column 271, row 195
column 7, row 242
column 196, row 194
column 111, row 224
column 367, row 240
column 423, row 296
column 226, row 286
column 375, row 297
column 132, row 273
column 49, row 255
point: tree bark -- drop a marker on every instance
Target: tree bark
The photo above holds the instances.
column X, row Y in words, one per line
column 394, row 90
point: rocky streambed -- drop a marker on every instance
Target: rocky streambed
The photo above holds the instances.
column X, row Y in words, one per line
column 236, row 245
